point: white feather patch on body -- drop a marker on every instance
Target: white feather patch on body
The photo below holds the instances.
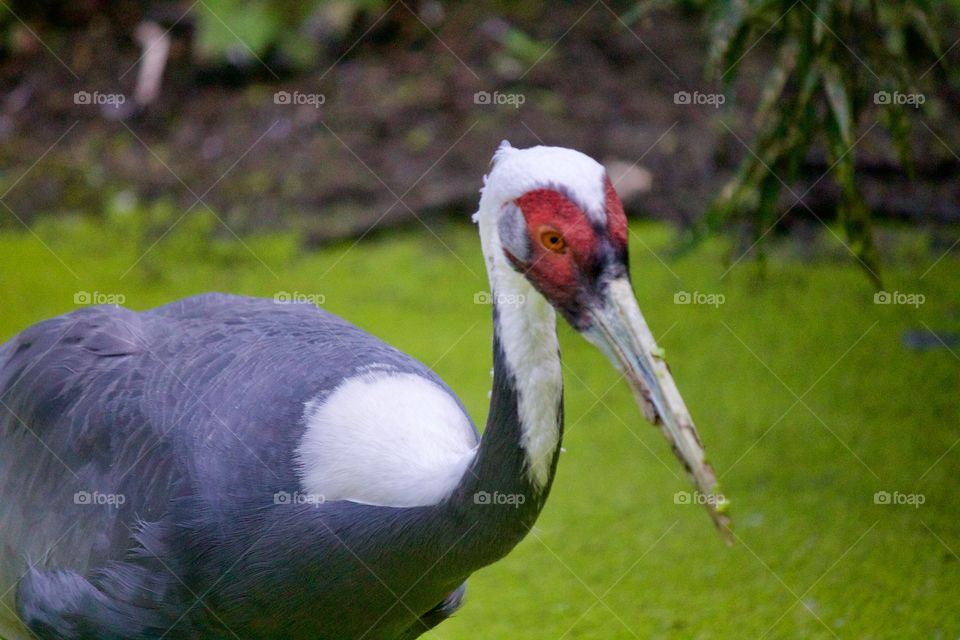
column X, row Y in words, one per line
column 385, row 438
column 528, row 331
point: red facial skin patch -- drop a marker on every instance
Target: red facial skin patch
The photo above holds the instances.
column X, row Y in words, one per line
column 616, row 218
column 571, row 275
column 556, row 274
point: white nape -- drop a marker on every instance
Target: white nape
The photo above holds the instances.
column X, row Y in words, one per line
column 385, row 438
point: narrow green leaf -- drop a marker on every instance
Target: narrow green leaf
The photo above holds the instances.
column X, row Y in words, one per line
column 839, row 101
column 726, row 20
column 777, row 80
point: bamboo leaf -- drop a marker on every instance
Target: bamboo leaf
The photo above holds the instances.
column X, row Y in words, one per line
column 839, row 101
column 777, row 79
column 820, row 18
column 726, row 21
column 852, row 211
column 921, row 22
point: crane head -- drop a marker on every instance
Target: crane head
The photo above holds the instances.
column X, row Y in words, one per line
column 552, row 215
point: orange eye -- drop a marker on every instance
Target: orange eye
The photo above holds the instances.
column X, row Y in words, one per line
column 552, row 239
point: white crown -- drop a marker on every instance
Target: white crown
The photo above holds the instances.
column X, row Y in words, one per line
column 514, row 172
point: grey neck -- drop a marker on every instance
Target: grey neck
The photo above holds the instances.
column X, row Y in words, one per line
column 505, row 488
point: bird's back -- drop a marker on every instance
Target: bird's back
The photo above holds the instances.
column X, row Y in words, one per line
column 109, row 415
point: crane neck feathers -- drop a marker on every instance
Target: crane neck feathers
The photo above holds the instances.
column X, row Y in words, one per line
column 525, row 325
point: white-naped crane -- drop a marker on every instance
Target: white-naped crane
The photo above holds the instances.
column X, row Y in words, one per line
column 230, row 467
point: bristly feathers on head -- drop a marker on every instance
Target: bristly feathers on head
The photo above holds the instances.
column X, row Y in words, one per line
column 514, row 172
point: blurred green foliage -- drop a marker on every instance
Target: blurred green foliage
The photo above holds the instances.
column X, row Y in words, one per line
column 833, row 63
column 240, row 30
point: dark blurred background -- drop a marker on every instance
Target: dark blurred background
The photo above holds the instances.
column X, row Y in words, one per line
column 343, row 118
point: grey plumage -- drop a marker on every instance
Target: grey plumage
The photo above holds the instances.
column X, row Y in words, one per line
column 169, row 409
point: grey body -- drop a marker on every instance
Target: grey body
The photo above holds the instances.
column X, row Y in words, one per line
column 193, row 412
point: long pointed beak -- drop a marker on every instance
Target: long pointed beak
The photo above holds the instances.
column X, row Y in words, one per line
column 620, row 331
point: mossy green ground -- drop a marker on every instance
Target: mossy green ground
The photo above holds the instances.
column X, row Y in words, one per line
column 803, row 391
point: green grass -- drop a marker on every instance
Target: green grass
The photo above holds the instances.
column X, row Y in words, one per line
column 613, row 556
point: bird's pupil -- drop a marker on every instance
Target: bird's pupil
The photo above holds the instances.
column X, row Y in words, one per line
column 552, row 239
